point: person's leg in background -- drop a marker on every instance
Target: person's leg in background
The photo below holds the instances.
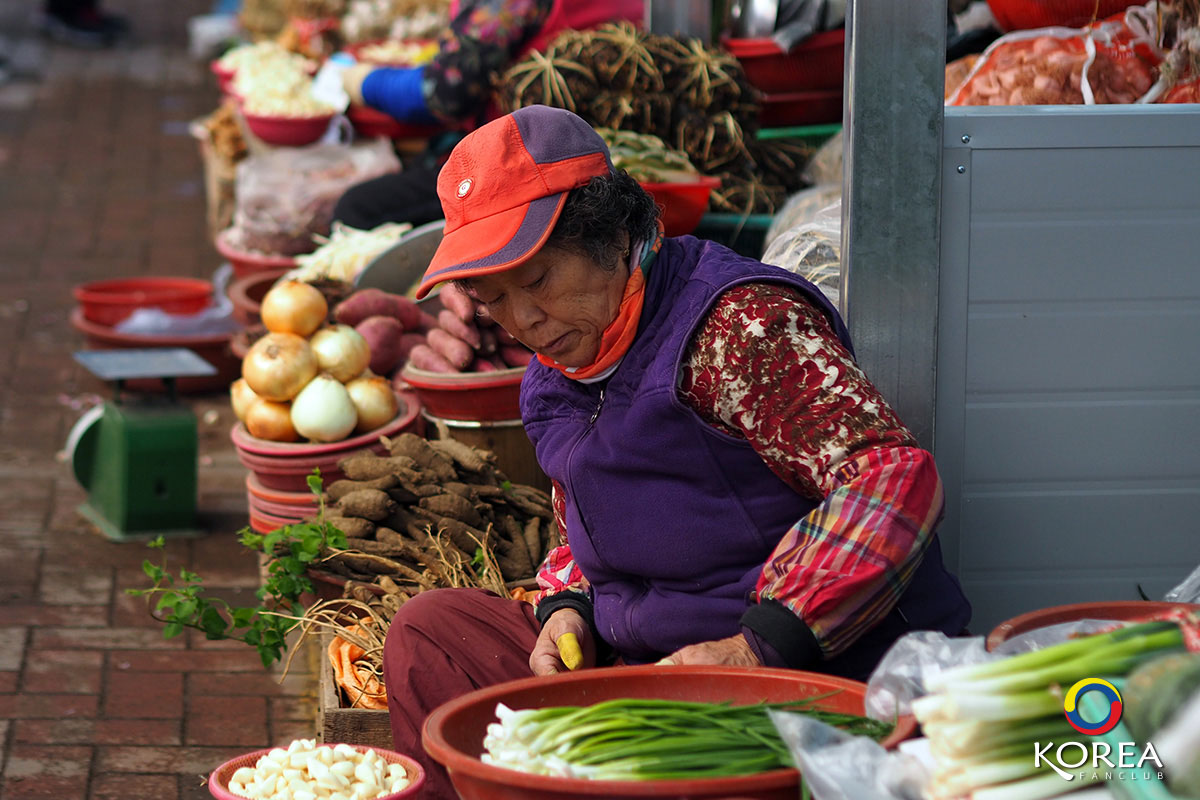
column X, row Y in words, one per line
column 82, row 23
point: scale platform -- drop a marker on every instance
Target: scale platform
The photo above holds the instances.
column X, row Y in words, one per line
column 137, row 455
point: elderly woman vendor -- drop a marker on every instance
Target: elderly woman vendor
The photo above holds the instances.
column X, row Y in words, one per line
column 730, row 487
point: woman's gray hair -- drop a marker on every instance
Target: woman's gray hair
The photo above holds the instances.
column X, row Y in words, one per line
column 596, row 214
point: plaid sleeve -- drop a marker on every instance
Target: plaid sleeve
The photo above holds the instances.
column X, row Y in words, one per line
column 559, row 572
column 767, row 366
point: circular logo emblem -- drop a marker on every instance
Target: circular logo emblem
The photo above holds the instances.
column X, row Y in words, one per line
column 1110, row 693
column 464, row 187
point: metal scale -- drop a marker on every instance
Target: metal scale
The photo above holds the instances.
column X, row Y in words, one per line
column 136, row 454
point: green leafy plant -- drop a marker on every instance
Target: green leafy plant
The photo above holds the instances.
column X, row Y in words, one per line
column 183, row 603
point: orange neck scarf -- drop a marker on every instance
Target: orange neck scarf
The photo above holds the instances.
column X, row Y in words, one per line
column 618, row 336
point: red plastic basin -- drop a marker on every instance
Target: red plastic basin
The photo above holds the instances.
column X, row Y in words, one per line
column 109, row 302
column 801, row 108
column 371, row 123
column 818, row 62
column 1019, row 15
column 218, row 781
column 477, row 396
column 682, row 204
column 453, row 734
column 288, row 131
column 1119, row 610
column 245, row 262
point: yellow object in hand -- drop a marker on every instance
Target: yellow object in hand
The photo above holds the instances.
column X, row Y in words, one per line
column 569, row 650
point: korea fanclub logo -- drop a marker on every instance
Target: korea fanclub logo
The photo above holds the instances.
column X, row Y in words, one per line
column 1095, row 760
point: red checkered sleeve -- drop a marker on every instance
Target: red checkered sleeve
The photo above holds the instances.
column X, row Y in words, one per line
column 559, row 572
column 766, row 365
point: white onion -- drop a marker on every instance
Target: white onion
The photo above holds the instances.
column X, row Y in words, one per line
column 374, row 400
column 293, row 307
column 278, row 366
column 267, row 419
column 323, row 411
column 341, row 351
column 241, row 397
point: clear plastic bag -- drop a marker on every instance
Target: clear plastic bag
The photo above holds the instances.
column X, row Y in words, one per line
column 214, row 320
column 1186, row 592
column 813, row 249
column 287, row 195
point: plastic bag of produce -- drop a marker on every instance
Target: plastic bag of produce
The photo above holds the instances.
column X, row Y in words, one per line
column 286, row 196
column 1109, row 62
column 813, row 249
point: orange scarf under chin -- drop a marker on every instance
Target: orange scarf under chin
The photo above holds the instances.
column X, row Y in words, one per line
column 618, row 336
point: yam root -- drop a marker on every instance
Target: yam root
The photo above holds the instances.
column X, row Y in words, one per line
column 451, row 505
column 367, row 467
column 463, row 490
column 464, row 455
column 372, row 504
column 533, row 539
column 339, row 489
column 409, row 445
column 353, row 527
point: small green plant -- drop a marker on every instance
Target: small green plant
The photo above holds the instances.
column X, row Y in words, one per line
column 182, row 602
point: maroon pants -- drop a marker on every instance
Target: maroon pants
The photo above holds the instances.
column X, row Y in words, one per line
column 443, row 644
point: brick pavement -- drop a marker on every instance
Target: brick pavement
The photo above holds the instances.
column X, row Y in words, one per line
column 98, row 178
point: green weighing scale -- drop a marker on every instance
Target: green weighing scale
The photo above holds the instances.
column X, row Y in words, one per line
column 136, row 454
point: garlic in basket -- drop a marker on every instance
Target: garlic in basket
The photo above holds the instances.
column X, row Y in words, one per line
column 305, row 771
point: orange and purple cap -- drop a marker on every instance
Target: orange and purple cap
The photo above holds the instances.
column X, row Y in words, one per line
column 504, row 186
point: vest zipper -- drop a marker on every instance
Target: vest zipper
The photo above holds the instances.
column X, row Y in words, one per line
column 599, row 406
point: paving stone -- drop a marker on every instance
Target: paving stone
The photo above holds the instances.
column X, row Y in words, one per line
column 47, row 761
column 43, row 616
column 65, row 586
column 8, row 684
column 103, row 639
column 47, row 706
column 146, row 695
column 158, row 732
column 164, row 760
column 134, row 787
column 65, row 672
column 232, row 661
column 43, row 788
column 226, row 720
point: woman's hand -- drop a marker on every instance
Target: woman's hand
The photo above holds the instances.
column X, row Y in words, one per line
column 734, row 651
column 545, row 660
column 352, row 81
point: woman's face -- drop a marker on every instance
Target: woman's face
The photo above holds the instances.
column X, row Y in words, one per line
column 557, row 303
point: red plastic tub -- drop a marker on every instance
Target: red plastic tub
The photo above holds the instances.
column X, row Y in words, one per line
column 801, row 108
column 453, row 734
column 218, row 781
column 287, row 131
column 476, row 396
column 818, row 62
column 109, row 302
column 1118, row 610
column 683, row 204
column 224, row 76
column 213, row 349
column 1019, row 15
column 245, row 262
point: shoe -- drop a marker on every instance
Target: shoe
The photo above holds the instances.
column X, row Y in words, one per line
column 86, row 28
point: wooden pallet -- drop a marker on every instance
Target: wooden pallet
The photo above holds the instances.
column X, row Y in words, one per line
column 335, row 723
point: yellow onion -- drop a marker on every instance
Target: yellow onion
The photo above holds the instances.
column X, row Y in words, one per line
column 278, row 366
column 374, row 400
column 323, row 411
column 341, row 351
column 241, row 396
column 293, row 307
column 267, row 419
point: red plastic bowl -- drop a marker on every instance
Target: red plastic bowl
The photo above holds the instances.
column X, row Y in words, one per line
column 246, row 294
column 683, row 204
column 1119, row 610
column 245, row 262
column 218, row 781
column 285, row 466
column 224, row 76
column 801, row 108
column 287, row 131
column 278, row 498
column 1017, row 15
column 213, row 349
column 478, row 396
column 453, row 733
column 109, row 302
column 370, row 123
column 818, row 62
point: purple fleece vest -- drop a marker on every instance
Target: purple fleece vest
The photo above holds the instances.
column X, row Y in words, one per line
column 669, row 519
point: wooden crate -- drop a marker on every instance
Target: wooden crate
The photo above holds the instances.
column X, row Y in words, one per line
column 336, row 723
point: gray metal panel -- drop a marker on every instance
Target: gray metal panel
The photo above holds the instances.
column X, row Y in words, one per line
column 1068, row 408
column 895, row 70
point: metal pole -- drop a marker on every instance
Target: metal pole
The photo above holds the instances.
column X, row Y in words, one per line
column 895, row 71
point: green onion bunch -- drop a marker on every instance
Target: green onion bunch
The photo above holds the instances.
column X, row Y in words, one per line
column 983, row 720
column 647, row 739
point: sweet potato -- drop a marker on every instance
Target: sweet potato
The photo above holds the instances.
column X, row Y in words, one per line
column 424, row 357
column 515, row 355
column 456, row 351
column 363, row 304
column 467, row 331
column 383, row 335
column 481, row 364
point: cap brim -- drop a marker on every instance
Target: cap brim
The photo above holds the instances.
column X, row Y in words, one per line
column 493, row 244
